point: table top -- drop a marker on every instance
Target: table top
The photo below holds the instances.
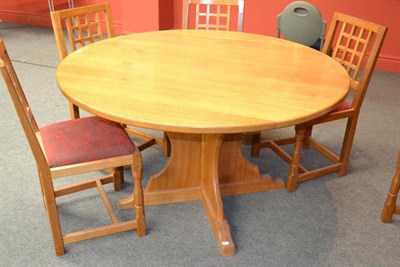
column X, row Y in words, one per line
column 194, row 81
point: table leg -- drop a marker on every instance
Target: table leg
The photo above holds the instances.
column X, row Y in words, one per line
column 211, row 195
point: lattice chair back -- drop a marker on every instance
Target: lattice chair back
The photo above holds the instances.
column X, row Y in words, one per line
column 213, row 14
column 84, row 25
column 355, row 43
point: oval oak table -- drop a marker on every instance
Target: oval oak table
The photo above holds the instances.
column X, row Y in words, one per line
column 204, row 89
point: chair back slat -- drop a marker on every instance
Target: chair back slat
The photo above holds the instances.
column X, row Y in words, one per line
column 83, row 24
column 355, row 43
column 21, row 105
column 213, row 14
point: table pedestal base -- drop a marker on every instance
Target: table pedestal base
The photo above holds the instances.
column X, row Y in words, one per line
column 205, row 167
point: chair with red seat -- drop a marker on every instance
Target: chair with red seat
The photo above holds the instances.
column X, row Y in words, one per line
column 73, row 147
column 355, row 44
column 83, row 27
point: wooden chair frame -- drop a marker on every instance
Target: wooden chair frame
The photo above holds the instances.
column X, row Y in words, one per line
column 390, row 206
column 222, row 16
column 354, row 38
column 84, row 26
column 47, row 173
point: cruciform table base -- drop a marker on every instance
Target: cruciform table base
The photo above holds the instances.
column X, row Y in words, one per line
column 206, row 167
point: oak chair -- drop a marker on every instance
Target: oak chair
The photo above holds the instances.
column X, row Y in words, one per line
column 355, row 43
column 390, row 207
column 74, row 147
column 84, row 26
column 213, row 14
column 301, row 22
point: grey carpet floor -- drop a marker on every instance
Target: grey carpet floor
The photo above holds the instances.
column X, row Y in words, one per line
column 330, row 221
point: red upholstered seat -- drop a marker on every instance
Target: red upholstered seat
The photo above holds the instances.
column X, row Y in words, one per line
column 344, row 106
column 83, row 140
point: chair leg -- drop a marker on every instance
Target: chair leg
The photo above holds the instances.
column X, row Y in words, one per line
column 390, row 203
column 347, row 144
column 255, row 145
column 41, row 188
column 291, row 184
column 118, row 174
column 137, row 171
column 74, row 111
column 308, row 133
column 52, row 212
column 388, row 208
column 166, row 145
